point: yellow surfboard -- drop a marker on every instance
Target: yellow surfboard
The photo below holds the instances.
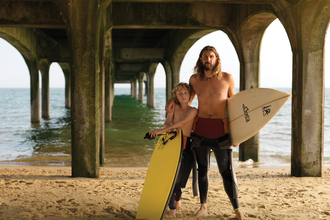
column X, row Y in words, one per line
column 161, row 176
column 250, row 110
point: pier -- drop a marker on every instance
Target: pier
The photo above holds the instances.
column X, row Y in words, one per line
column 99, row 43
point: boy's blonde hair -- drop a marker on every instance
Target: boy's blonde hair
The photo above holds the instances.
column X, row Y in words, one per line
column 179, row 86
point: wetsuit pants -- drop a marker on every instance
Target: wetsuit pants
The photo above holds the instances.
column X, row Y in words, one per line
column 187, row 163
column 223, row 154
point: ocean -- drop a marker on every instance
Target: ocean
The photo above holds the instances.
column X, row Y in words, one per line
column 49, row 142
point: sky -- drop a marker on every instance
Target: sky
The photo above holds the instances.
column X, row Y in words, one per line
column 275, row 62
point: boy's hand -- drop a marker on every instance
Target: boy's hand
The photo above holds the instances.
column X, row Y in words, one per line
column 155, row 133
column 170, row 106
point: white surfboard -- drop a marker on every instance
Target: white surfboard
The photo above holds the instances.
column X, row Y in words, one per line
column 250, row 110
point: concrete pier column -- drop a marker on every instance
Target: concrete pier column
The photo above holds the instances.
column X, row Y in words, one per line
column 107, row 113
column 250, row 36
column 135, row 92
column 83, row 24
column 141, row 78
column 67, row 77
column 151, row 86
column 132, row 87
column 109, row 78
column 101, row 66
column 34, row 90
column 176, row 65
column 146, row 86
column 307, row 36
column 169, row 85
column 44, row 70
column 151, row 91
column 109, row 94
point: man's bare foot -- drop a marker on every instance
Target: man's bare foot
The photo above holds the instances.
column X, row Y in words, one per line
column 178, row 205
column 172, row 213
column 202, row 211
column 239, row 214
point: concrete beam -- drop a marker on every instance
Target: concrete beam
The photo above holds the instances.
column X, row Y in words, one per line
column 30, row 14
column 183, row 15
column 138, row 54
column 217, row 1
column 132, row 67
column 126, row 73
column 55, row 54
column 122, row 81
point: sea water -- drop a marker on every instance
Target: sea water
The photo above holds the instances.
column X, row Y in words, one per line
column 49, row 142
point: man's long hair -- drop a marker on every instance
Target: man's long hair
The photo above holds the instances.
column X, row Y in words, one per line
column 199, row 70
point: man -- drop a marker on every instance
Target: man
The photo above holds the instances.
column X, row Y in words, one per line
column 212, row 87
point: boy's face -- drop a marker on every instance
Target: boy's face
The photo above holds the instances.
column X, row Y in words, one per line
column 182, row 95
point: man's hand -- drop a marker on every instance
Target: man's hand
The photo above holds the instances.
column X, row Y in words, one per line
column 170, row 106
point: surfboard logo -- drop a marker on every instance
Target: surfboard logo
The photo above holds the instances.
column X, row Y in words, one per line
column 246, row 115
column 266, row 110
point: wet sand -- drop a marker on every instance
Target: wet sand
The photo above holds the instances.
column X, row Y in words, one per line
column 50, row 193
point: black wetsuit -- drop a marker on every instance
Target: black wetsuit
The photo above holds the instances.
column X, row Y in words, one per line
column 187, row 163
column 211, row 134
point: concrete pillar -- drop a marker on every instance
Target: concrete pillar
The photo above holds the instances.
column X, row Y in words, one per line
column 141, row 78
column 109, row 73
column 34, row 90
column 169, row 85
column 151, row 86
column 250, row 36
column 151, row 91
column 132, row 87
column 83, row 24
column 67, row 77
column 307, row 36
column 102, row 63
column 107, row 92
column 135, row 92
column 44, row 70
column 146, row 86
column 176, row 65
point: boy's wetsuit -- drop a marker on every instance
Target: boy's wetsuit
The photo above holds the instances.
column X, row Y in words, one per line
column 212, row 133
column 187, row 163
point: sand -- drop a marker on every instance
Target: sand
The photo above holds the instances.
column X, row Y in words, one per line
column 50, row 193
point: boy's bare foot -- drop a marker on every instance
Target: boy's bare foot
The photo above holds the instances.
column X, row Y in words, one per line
column 202, row 211
column 172, row 213
column 239, row 214
column 178, row 205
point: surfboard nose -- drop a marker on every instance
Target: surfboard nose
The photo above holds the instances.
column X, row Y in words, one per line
column 250, row 110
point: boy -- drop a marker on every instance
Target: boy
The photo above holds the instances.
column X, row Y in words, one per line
column 181, row 118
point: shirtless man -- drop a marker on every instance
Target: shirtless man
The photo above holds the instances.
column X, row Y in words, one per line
column 181, row 118
column 212, row 87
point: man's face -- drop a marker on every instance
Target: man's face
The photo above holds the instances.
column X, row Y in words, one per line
column 208, row 60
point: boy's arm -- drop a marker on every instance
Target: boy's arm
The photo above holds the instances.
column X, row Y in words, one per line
column 189, row 117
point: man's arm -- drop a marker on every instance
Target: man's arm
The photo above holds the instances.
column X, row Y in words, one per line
column 169, row 119
column 231, row 84
column 231, row 90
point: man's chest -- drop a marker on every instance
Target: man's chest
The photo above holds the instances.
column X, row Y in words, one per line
column 208, row 89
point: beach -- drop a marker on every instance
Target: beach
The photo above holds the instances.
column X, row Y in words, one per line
column 49, row 192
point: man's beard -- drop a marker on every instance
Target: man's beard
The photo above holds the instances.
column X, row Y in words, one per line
column 209, row 67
